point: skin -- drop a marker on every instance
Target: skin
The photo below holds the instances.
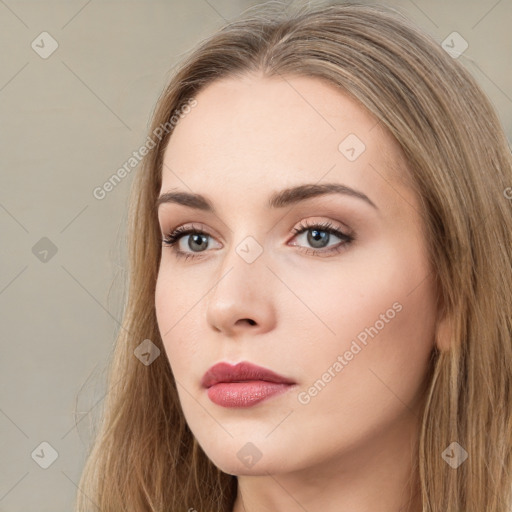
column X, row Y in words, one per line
column 350, row 448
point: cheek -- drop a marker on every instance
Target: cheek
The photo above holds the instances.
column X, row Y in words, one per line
column 165, row 303
column 380, row 315
column 383, row 365
column 174, row 314
column 177, row 296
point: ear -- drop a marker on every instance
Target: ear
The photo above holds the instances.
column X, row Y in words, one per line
column 444, row 333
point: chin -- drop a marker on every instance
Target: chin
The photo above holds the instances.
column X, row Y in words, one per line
column 246, row 458
column 236, row 468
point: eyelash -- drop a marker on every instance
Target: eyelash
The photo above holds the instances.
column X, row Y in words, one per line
column 172, row 239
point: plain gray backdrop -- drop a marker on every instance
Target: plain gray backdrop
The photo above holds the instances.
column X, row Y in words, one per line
column 72, row 114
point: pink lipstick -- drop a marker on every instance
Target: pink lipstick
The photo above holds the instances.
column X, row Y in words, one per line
column 243, row 384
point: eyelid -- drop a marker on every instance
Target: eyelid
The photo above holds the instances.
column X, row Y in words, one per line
column 303, row 224
column 345, row 235
column 186, row 229
column 193, row 226
column 326, row 224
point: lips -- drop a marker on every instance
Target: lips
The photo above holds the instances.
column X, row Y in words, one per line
column 243, row 384
column 241, row 372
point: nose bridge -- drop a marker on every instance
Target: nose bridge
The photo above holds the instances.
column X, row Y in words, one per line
column 242, row 270
column 241, row 290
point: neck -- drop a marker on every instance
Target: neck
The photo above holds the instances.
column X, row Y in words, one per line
column 380, row 475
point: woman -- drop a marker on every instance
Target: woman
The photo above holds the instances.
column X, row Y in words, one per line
column 321, row 265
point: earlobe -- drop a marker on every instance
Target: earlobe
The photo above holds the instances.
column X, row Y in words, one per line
column 444, row 333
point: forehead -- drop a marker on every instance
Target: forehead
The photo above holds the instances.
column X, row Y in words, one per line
column 247, row 133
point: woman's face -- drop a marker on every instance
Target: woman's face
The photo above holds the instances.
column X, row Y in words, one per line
column 347, row 316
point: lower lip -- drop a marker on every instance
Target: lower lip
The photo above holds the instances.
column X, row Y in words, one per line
column 244, row 394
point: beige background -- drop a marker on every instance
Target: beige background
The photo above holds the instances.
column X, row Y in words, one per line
column 68, row 123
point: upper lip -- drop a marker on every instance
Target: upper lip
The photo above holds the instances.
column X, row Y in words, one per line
column 240, row 372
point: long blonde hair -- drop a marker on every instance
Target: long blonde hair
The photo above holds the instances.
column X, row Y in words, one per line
column 144, row 457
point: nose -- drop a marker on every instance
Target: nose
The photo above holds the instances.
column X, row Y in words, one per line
column 241, row 298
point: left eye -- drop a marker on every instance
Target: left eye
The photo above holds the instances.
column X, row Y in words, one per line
column 318, row 236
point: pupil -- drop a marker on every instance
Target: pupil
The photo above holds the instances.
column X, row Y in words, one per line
column 197, row 238
column 315, row 238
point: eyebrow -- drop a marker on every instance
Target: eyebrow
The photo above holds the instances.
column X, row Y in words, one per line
column 279, row 199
